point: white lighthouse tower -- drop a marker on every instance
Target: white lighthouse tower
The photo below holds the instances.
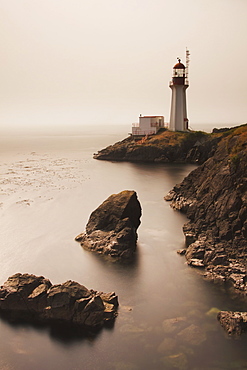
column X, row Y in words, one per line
column 179, row 84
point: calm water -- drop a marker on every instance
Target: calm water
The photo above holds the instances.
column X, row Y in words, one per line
column 49, row 187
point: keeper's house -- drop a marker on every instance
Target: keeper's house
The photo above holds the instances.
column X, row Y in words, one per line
column 147, row 125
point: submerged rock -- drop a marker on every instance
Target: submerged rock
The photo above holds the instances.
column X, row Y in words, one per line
column 30, row 297
column 167, row 346
column 111, row 229
column 212, row 312
column 176, row 361
column 174, row 324
column 192, row 335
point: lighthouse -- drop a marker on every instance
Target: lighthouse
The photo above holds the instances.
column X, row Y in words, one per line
column 179, row 84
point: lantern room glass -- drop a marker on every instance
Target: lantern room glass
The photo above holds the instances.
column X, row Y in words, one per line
column 178, row 73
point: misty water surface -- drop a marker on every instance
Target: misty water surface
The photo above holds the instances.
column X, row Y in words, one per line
column 49, row 187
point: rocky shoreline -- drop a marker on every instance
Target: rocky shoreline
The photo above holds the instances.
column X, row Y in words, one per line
column 233, row 322
column 214, row 198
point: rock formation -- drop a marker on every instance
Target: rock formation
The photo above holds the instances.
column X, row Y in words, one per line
column 30, row 297
column 164, row 147
column 111, row 229
column 234, row 323
column 214, row 198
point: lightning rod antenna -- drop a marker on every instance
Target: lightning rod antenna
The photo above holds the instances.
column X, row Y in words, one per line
column 187, row 66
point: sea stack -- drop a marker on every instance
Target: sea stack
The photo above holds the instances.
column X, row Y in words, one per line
column 111, row 229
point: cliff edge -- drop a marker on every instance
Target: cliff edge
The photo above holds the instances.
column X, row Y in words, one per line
column 164, row 147
column 214, row 198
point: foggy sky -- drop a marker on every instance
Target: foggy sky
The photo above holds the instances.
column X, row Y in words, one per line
column 81, row 62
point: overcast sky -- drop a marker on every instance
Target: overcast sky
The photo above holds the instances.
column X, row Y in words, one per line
column 81, row 62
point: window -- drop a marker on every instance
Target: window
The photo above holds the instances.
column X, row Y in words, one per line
column 179, row 73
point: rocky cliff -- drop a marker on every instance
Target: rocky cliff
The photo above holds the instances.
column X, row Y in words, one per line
column 164, row 147
column 214, row 198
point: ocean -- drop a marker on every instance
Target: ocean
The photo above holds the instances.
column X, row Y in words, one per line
column 167, row 314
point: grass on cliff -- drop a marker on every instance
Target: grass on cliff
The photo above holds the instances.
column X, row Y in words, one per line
column 236, row 139
column 241, row 140
column 172, row 138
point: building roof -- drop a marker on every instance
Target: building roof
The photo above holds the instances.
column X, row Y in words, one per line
column 151, row 116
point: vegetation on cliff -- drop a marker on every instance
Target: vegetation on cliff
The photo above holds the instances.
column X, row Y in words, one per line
column 164, row 147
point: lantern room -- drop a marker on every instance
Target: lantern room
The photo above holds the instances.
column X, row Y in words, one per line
column 179, row 73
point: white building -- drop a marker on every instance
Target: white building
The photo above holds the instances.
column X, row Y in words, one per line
column 179, row 84
column 147, row 125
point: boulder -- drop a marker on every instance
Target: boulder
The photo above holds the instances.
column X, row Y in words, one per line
column 20, row 289
column 234, row 323
column 111, row 229
column 30, row 297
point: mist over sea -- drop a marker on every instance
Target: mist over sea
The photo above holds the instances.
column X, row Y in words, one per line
column 49, row 185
